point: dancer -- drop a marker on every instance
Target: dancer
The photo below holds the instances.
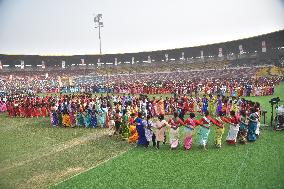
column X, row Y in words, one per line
column 204, row 104
column 65, row 119
column 234, row 128
column 117, row 121
column 190, row 123
column 219, row 130
column 174, row 123
column 133, row 135
column 124, row 125
column 142, row 141
column 149, row 133
column 252, row 125
column 218, row 104
column 53, row 116
column 160, row 132
column 204, row 130
column 242, row 135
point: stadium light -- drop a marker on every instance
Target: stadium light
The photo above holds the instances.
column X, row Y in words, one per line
column 99, row 24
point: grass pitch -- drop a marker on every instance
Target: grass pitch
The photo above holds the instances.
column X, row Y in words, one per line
column 255, row 165
column 35, row 155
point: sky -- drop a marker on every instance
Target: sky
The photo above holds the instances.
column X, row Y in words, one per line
column 66, row 27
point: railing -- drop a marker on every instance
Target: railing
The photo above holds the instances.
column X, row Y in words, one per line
column 114, row 68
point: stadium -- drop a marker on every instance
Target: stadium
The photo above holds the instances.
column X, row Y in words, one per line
column 251, row 55
column 206, row 116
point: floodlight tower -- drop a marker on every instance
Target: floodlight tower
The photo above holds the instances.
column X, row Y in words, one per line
column 99, row 24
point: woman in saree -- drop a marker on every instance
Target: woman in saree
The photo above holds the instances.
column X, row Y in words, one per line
column 133, row 135
column 204, row 130
column 211, row 105
column 189, row 124
column 218, row 104
column 65, row 119
column 161, row 106
column 53, row 116
column 160, row 131
column 101, row 118
column 149, row 131
column 242, row 135
column 252, row 125
column 87, row 118
column 220, row 129
column 142, row 141
column 124, row 125
column 174, row 123
column 234, row 128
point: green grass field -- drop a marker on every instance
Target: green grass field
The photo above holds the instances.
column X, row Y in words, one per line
column 35, row 155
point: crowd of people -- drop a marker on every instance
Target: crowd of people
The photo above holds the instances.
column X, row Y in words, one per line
column 238, row 82
column 135, row 117
column 235, row 87
column 213, row 94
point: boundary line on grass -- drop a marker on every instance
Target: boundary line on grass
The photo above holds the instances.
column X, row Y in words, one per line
column 51, row 150
column 103, row 162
